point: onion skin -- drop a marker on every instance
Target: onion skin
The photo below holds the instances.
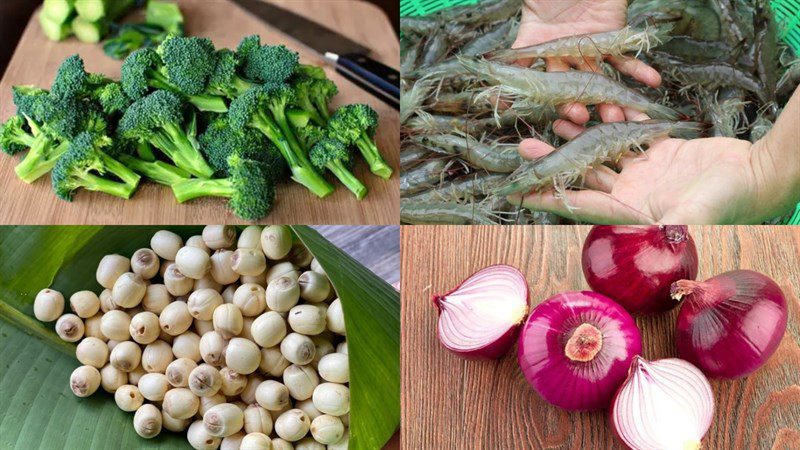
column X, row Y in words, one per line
column 635, row 265
column 729, row 325
column 564, row 381
column 663, row 404
column 499, row 346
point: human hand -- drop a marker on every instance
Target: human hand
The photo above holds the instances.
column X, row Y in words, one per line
column 547, row 20
column 676, row 181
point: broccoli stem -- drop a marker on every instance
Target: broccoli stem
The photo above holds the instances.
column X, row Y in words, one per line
column 302, row 171
column 41, row 158
column 189, row 189
column 203, row 102
column 177, row 146
column 373, row 157
column 322, row 108
column 145, row 151
column 122, row 172
column 158, row 171
column 92, row 182
column 347, row 178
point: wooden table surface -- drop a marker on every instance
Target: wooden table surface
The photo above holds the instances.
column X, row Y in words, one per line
column 36, row 60
column 452, row 403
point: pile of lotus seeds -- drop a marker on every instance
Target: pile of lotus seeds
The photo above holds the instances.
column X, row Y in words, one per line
column 240, row 342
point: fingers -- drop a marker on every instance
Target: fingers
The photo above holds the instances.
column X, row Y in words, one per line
column 610, row 113
column 634, row 115
column 567, row 129
column 636, row 69
column 585, row 206
column 534, row 148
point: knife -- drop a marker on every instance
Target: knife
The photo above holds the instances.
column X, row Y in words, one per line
column 350, row 59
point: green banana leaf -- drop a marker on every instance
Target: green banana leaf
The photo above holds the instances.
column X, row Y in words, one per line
column 38, row 410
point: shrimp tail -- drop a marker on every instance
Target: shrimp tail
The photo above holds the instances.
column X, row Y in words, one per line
column 657, row 111
column 520, row 181
column 686, row 130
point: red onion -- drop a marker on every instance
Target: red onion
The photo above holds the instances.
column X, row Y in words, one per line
column 576, row 347
column 731, row 324
column 635, row 265
column 663, row 405
column 480, row 318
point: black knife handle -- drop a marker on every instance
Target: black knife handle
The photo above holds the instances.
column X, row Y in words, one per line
column 377, row 79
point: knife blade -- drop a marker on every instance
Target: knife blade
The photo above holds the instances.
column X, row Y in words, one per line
column 349, row 58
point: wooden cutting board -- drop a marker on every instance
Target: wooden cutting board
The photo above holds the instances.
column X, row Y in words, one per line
column 35, row 62
column 452, row 403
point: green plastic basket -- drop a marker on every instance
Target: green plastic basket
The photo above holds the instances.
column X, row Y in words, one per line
column 787, row 12
column 412, row 8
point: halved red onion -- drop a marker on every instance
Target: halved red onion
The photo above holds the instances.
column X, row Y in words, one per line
column 663, row 405
column 729, row 325
column 480, row 318
column 576, row 347
column 635, row 265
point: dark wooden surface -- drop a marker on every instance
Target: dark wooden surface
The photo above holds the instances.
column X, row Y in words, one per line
column 452, row 403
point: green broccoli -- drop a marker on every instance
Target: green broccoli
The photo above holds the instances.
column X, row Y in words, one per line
column 157, row 119
column 250, row 188
column 112, row 98
column 83, row 166
column 267, row 63
column 54, row 121
column 188, row 62
column 313, row 96
column 310, row 134
column 356, row 125
column 225, row 80
column 333, row 155
column 264, row 108
column 14, row 138
column 144, row 69
column 139, row 158
column 311, row 71
column 220, row 141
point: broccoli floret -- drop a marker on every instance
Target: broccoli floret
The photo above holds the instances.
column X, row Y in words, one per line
column 83, row 166
column 112, row 98
column 54, row 121
column 311, row 71
column 188, row 61
column 264, row 108
column 139, row 158
column 250, row 188
column 220, row 141
column 71, row 79
column 313, row 95
column 224, row 80
column 310, row 135
column 144, row 69
column 157, row 119
column 356, row 125
column 14, row 138
column 333, row 155
column 267, row 63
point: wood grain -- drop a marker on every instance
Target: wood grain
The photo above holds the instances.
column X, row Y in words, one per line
column 36, row 60
column 452, row 403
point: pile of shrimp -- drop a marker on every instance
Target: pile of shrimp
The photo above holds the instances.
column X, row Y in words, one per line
column 466, row 103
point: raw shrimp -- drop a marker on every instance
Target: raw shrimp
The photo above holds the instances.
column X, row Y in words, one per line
column 422, row 176
column 444, row 213
column 482, row 13
column 495, row 38
column 469, row 101
column 696, row 51
column 790, row 79
column 725, row 112
column 616, row 43
column 716, row 75
column 411, row 100
column 411, row 156
column 466, row 188
column 597, row 145
column 494, row 158
column 409, row 58
column 558, row 88
column 429, row 123
column 418, row 25
column 434, row 50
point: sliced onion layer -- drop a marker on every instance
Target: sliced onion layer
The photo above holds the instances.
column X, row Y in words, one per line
column 663, row 405
column 480, row 318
